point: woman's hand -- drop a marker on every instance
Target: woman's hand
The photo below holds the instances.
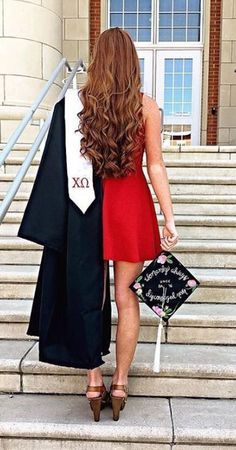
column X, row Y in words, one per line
column 169, row 236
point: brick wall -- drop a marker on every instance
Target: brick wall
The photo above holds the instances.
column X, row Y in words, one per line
column 95, row 18
column 213, row 76
column 227, row 97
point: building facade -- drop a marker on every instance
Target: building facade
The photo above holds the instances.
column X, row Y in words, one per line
column 186, row 49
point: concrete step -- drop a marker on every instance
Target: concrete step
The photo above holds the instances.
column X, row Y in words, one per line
column 189, row 227
column 191, row 324
column 18, row 158
column 215, row 205
column 224, row 149
column 187, row 370
column 65, row 421
column 201, row 149
column 194, row 253
column 217, row 285
column 175, row 166
column 202, row 205
column 179, row 184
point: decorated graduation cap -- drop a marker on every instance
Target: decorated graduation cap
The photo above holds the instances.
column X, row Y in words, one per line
column 79, row 167
column 164, row 285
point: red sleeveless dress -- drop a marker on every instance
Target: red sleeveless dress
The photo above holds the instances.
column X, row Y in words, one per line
column 130, row 226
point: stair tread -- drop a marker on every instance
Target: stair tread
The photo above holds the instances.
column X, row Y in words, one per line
column 144, row 419
column 180, row 219
column 17, row 160
column 189, row 314
column 172, row 179
column 207, row 276
column 177, row 360
column 213, row 245
column 188, row 198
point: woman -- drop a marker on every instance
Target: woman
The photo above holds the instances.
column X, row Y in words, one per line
column 118, row 123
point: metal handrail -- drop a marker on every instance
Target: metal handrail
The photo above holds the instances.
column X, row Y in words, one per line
column 20, row 128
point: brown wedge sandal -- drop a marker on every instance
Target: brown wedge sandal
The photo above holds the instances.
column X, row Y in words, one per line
column 118, row 403
column 99, row 402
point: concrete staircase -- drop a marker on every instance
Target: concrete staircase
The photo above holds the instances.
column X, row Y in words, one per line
column 191, row 403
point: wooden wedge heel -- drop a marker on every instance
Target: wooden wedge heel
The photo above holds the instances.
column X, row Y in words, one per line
column 99, row 402
column 118, row 402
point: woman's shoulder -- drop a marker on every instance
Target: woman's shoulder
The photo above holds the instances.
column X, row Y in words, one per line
column 150, row 106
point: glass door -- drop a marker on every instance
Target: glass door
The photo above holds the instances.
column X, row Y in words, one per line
column 146, row 70
column 179, row 94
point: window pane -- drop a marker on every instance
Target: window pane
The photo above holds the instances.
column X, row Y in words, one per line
column 144, row 20
column 168, row 80
column 130, row 20
column 178, row 108
column 194, row 5
column 194, row 19
column 116, row 5
column 180, row 5
column 169, row 65
column 187, row 108
column 179, row 34
column 168, row 95
column 145, row 5
column 164, row 34
column 188, row 65
column 187, row 95
column 165, row 20
column 178, row 65
column 141, row 62
column 132, row 32
column 193, row 34
column 130, row 5
column 168, row 109
column 165, row 5
column 116, row 20
column 178, row 95
column 180, row 20
column 144, row 34
column 178, row 80
column 187, row 80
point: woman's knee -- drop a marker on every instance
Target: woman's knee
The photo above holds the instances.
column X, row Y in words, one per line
column 124, row 274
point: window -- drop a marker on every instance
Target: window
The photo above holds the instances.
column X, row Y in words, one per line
column 134, row 16
column 179, row 20
column 178, row 86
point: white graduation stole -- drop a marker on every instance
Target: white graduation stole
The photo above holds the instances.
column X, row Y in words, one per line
column 79, row 169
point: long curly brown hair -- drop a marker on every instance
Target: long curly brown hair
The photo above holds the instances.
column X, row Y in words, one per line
column 111, row 120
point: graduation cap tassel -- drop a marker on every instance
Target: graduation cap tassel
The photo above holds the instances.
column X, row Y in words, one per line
column 157, row 356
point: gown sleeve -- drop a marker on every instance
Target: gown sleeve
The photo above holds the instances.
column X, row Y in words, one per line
column 45, row 217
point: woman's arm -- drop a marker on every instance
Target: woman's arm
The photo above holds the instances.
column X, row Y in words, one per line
column 157, row 171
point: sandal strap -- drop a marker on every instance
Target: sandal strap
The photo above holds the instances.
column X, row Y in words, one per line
column 95, row 388
column 122, row 387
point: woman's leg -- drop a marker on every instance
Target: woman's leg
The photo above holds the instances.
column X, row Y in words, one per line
column 128, row 319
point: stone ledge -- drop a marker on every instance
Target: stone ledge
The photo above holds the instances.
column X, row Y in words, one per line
column 222, row 163
column 172, row 179
column 201, row 371
column 180, row 219
column 184, row 245
column 177, row 360
column 207, row 277
column 180, row 198
column 189, row 314
column 143, row 421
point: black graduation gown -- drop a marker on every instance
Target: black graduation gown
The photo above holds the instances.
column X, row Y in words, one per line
column 68, row 313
